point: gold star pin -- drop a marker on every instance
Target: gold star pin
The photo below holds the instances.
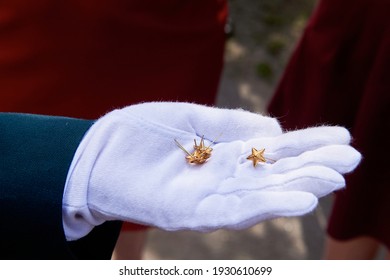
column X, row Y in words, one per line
column 257, row 156
column 201, row 153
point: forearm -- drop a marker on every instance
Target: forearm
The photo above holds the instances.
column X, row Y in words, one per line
column 36, row 152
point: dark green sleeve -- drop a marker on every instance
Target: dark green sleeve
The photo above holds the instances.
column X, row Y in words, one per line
column 35, row 154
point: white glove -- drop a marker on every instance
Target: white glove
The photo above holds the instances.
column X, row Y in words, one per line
column 128, row 167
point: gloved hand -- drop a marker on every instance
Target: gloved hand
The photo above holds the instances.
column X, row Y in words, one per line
column 128, row 167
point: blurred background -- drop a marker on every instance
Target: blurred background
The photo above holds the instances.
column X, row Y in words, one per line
column 262, row 35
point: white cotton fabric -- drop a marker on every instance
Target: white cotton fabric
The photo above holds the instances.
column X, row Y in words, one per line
column 129, row 168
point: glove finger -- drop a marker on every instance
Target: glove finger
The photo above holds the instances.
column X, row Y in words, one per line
column 296, row 142
column 318, row 180
column 235, row 212
column 225, row 124
column 342, row 158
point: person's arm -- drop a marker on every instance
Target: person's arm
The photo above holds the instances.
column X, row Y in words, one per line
column 35, row 155
column 132, row 165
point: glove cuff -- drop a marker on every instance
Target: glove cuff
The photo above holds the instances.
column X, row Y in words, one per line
column 78, row 218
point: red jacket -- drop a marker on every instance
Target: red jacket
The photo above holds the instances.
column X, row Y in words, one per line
column 84, row 58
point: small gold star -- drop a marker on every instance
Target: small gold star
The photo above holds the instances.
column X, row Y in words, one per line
column 257, row 156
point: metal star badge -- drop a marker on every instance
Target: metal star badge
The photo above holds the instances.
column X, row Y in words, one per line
column 257, row 156
column 201, row 153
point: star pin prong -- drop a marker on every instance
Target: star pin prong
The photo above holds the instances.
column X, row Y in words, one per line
column 258, row 156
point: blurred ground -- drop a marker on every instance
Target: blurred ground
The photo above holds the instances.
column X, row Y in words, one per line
column 264, row 34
